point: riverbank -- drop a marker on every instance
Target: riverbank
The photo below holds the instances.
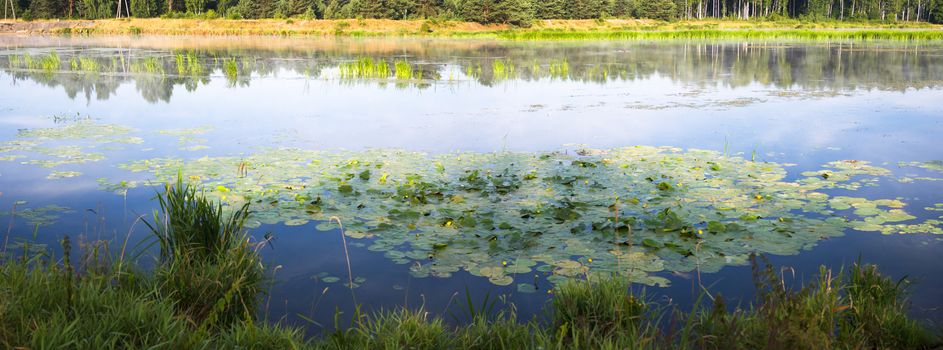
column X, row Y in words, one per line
column 96, row 305
column 612, row 29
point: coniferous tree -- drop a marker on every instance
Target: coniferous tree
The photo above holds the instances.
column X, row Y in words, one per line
column 335, row 10
column 657, row 9
column 453, row 8
column 256, row 8
column 622, row 8
column 583, row 9
column 550, row 9
column 936, row 13
column 144, row 8
column 427, row 8
column 516, row 12
column 46, row 9
column 195, row 6
column 290, row 8
column 223, row 7
column 404, row 9
column 369, row 8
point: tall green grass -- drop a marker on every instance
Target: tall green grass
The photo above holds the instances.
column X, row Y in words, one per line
column 149, row 65
column 105, row 312
column 47, row 63
column 190, row 226
column 502, row 69
column 203, row 294
column 403, row 70
column 855, row 309
column 231, row 69
column 207, row 264
column 368, row 68
column 48, row 304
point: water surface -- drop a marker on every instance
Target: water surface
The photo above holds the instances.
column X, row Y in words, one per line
column 796, row 105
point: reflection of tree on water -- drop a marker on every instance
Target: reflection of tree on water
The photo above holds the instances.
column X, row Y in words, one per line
column 155, row 73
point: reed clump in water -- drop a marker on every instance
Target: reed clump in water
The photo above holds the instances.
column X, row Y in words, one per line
column 203, row 293
column 367, row 68
column 231, row 69
column 207, row 264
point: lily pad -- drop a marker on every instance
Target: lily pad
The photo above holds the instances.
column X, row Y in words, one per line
column 500, row 214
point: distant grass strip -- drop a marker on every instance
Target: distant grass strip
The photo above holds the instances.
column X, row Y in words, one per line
column 611, row 29
column 719, row 34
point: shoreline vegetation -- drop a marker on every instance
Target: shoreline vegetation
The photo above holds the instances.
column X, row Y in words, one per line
column 94, row 296
column 609, row 29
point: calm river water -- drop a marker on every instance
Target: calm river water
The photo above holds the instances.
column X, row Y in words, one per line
column 79, row 117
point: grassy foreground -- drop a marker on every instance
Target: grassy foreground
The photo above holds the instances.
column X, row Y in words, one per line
column 98, row 302
column 612, row 29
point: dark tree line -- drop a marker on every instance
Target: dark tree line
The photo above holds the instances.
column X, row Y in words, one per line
column 498, row 11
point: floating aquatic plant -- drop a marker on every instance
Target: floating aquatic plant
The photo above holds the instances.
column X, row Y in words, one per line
column 87, row 132
column 186, row 138
column 84, row 129
column 634, row 211
column 39, row 216
column 56, row 175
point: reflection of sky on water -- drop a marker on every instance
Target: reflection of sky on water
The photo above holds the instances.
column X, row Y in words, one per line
column 529, row 116
column 805, row 126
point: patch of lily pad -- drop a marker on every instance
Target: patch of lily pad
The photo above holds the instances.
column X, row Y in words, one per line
column 47, row 148
column 187, row 139
column 86, row 130
column 933, row 165
column 639, row 212
column 63, row 155
column 120, row 187
column 329, row 279
column 56, row 175
column 37, row 216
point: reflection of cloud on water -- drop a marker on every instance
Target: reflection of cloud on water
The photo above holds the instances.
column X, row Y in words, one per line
column 57, row 188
